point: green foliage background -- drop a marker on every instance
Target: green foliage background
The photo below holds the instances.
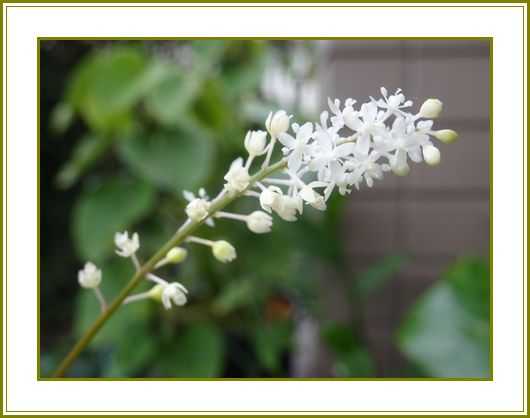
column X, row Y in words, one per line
column 126, row 126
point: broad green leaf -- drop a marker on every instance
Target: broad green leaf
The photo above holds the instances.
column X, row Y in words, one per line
column 173, row 160
column 444, row 338
column 85, row 154
column 100, row 212
column 196, row 352
column 109, row 83
column 270, row 341
column 377, row 275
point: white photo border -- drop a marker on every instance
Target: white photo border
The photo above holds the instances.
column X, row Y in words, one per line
column 24, row 24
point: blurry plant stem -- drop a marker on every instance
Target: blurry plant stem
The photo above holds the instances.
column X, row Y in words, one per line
column 186, row 229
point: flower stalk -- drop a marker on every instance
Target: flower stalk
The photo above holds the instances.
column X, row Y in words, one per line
column 185, row 230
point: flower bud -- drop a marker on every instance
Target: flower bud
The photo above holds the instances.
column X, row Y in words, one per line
column 401, row 170
column 431, row 154
column 156, row 292
column 90, row 276
column 176, row 255
column 277, row 123
column 431, row 108
column 197, row 209
column 255, row 142
column 224, row 251
column 259, row 222
column 446, row 135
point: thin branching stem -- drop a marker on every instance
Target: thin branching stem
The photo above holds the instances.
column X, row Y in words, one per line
column 187, row 228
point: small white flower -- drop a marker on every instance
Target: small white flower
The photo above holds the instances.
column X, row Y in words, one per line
column 224, row 251
column 366, row 123
column 126, row 246
column 90, row 276
column 431, row 108
column 269, row 197
column 277, row 123
column 173, row 292
column 259, row 222
column 394, row 102
column 197, row 209
column 237, row 178
column 189, row 196
column 446, row 135
column 255, row 143
column 297, row 148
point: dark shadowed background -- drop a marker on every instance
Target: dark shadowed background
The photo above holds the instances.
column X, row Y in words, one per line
column 391, row 281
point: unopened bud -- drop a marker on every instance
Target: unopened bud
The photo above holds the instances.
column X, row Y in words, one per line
column 224, row 251
column 431, row 108
column 446, row 135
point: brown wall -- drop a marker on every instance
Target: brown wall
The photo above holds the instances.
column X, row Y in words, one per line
column 437, row 213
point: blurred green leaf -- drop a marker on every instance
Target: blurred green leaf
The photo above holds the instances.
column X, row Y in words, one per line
column 235, row 294
column 377, row 275
column 109, row 83
column 102, row 211
column 470, row 279
column 196, row 352
column 351, row 358
column 357, row 363
column 61, row 117
column 169, row 101
column 244, row 65
column 443, row 335
column 86, row 152
column 136, row 350
column 339, row 337
column 173, row 160
column 271, row 339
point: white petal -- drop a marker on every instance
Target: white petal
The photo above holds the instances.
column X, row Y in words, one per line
column 287, row 140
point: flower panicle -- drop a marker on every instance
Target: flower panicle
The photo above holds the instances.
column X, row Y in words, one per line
column 352, row 144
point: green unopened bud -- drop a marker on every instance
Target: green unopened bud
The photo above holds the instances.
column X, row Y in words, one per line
column 156, row 292
column 224, row 251
column 446, row 135
column 176, row 255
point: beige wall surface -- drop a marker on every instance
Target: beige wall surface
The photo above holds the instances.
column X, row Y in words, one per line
column 435, row 214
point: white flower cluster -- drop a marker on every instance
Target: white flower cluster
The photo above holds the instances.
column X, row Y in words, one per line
column 351, row 146
column 90, row 276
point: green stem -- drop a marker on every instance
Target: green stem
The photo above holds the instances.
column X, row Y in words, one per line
column 182, row 233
